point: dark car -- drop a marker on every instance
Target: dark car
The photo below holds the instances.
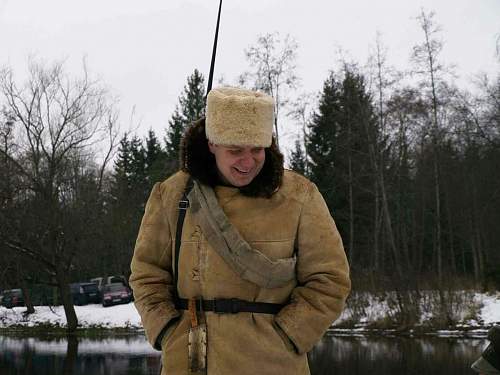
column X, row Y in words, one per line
column 85, row 293
column 115, row 293
column 12, row 298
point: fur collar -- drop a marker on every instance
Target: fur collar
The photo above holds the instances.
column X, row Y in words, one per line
column 199, row 162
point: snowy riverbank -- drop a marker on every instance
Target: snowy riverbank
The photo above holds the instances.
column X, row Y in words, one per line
column 354, row 320
column 89, row 316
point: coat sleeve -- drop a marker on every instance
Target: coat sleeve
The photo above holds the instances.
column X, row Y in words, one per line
column 322, row 275
column 151, row 278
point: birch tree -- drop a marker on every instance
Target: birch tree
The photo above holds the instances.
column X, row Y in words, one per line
column 273, row 61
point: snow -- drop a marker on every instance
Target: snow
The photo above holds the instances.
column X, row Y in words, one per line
column 118, row 316
column 473, row 313
column 490, row 312
column 372, row 309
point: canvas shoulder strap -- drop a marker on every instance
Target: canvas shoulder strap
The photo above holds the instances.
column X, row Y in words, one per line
column 249, row 263
column 183, row 206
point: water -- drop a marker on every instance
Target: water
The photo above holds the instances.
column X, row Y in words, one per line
column 333, row 355
column 395, row 356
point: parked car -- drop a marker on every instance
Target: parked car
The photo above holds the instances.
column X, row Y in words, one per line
column 115, row 293
column 116, row 279
column 101, row 281
column 85, row 293
column 12, row 298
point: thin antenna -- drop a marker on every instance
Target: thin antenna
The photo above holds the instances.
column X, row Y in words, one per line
column 212, row 64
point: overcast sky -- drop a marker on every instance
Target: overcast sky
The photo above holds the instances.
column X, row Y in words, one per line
column 144, row 50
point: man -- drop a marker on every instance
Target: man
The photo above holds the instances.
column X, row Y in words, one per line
column 261, row 268
column 489, row 362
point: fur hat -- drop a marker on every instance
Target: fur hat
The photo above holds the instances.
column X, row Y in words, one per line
column 197, row 160
column 239, row 117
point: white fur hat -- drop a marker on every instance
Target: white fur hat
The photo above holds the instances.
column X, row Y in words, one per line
column 239, row 117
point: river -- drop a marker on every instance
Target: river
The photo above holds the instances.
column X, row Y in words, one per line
column 132, row 355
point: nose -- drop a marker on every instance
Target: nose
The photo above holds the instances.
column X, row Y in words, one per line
column 247, row 161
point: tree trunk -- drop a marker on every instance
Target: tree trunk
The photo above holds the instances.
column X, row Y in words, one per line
column 351, row 216
column 276, row 129
column 390, row 233
column 351, row 197
column 438, row 222
column 30, row 309
column 380, row 181
column 475, row 230
column 451, row 235
column 67, row 301
column 475, row 257
column 376, row 231
column 480, row 253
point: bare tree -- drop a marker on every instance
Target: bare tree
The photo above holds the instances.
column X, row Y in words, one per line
column 301, row 111
column 383, row 79
column 426, row 60
column 273, row 61
column 59, row 125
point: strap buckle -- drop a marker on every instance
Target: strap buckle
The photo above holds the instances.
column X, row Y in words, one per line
column 224, row 306
column 183, row 204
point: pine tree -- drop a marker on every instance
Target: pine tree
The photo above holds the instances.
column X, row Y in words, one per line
column 340, row 166
column 137, row 176
column 173, row 141
column 122, row 168
column 321, row 141
column 130, row 186
column 192, row 102
column 155, row 160
column 191, row 107
column 298, row 162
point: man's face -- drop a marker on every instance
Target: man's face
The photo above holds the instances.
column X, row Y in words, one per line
column 238, row 165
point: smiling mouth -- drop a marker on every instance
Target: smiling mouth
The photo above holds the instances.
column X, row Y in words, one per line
column 242, row 171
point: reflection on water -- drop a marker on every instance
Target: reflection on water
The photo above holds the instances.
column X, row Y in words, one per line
column 128, row 355
column 369, row 355
column 333, row 355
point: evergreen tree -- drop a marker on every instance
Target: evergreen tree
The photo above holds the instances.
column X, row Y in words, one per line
column 192, row 102
column 155, row 160
column 321, row 141
column 130, row 187
column 298, row 160
column 130, row 180
column 191, row 107
column 338, row 146
column 173, row 141
column 137, row 175
column 120, row 182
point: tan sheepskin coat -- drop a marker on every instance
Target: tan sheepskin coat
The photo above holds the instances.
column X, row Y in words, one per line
column 295, row 217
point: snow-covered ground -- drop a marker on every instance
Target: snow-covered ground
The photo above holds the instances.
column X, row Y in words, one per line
column 466, row 308
column 490, row 312
column 486, row 313
column 118, row 316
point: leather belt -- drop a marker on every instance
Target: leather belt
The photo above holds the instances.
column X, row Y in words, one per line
column 230, row 306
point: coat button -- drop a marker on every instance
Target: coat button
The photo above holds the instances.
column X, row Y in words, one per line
column 195, row 274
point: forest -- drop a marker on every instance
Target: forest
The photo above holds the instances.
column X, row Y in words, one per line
column 407, row 161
